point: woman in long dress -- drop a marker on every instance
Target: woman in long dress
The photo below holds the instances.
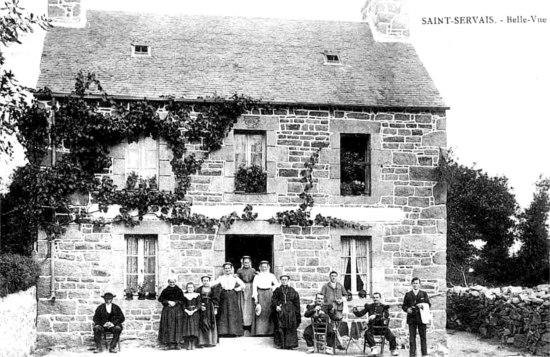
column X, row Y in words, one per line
column 229, row 318
column 262, row 291
column 191, row 316
column 209, row 298
column 171, row 319
column 246, row 273
column 286, row 305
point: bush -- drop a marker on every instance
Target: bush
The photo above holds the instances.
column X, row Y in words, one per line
column 251, row 179
column 17, row 273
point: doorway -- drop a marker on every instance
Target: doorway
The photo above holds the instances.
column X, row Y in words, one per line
column 258, row 247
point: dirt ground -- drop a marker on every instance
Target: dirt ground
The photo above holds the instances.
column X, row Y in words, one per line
column 467, row 344
column 461, row 344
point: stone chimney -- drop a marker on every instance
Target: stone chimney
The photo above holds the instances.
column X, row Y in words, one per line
column 67, row 13
column 388, row 19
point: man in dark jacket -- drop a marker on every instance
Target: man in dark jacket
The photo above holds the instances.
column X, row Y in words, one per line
column 412, row 305
column 108, row 317
column 320, row 313
column 377, row 312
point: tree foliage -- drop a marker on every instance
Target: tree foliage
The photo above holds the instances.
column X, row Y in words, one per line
column 533, row 256
column 14, row 23
column 480, row 208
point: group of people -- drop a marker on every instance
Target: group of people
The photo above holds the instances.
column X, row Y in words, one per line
column 234, row 304
column 328, row 307
column 251, row 302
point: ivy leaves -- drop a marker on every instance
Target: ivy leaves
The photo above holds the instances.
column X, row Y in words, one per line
column 302, row 216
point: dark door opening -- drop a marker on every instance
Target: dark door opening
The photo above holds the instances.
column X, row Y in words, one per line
column 258, row 247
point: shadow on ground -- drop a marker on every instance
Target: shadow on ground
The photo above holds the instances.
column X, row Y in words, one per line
column 461, row 344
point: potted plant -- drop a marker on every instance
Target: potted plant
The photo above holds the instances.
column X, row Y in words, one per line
column 151, row 295
column 251, row 179
column 142, row 183
column 142, row 290
column 153, row 184
column 129, row 292
column 131, row 180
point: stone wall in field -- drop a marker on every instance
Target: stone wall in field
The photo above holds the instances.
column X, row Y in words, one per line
column 516, row 315
column 18, row 323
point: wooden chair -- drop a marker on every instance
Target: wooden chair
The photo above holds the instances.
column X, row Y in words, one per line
column 320, row 329
column 109, row 334
column 379, row 334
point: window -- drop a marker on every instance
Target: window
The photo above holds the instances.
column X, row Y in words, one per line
column 141, row 50
column 250, row 162
column 142, row 159
column 250, row 148
column 355, row 164
column 356, row 263
column 141, row 261
column 332, row 58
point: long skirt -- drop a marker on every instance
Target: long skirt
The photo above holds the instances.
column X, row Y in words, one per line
column 191, row 324
column 286, row 334
column 264, row 322
column 230, row 317
column 247, row 305
column 208, row 332
column 171, row 325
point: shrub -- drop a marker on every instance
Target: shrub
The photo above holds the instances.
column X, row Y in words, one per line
column 17, row 273
column 250, row 179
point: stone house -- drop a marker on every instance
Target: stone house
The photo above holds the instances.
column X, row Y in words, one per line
column 332, row 86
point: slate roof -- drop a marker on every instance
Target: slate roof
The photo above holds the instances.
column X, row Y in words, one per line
column 277, row 60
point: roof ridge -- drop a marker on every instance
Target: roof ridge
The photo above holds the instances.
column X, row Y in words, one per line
column 224, row 16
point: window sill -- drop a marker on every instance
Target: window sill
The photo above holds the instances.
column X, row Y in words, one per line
column 250, row 197
column 362, row 199
column 135, row 303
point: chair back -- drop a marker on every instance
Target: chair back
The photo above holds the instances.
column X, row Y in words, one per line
column 380, row 330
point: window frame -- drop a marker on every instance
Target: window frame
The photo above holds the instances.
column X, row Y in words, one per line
column 368, row 160
column 141, row 258
column 332, row 62
column 141, row 159
column 248, row 154
column 140, row 53
column 353, row 264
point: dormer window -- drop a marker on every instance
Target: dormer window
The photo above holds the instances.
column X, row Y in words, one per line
column 141, row 50
column 332, row 58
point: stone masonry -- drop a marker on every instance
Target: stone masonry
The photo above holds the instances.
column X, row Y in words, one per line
column 68, row 13
column 389, row 19
column 406, row 214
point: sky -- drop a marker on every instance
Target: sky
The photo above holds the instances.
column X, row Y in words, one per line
column 494, row 77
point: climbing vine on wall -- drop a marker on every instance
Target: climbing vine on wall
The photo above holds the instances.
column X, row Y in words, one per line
column 76, row 130
column 43, row 191
column 302, row 215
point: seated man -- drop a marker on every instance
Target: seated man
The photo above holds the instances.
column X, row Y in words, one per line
column 108, row 317
column 377, row 313
column 321, row 313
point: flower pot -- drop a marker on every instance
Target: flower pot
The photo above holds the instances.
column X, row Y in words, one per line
column 129, row 296
column 141, row 296
column 152, row 296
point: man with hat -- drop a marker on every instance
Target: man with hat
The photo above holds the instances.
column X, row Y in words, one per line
column 246, row 273
column 108, row 317
column 286, row 303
